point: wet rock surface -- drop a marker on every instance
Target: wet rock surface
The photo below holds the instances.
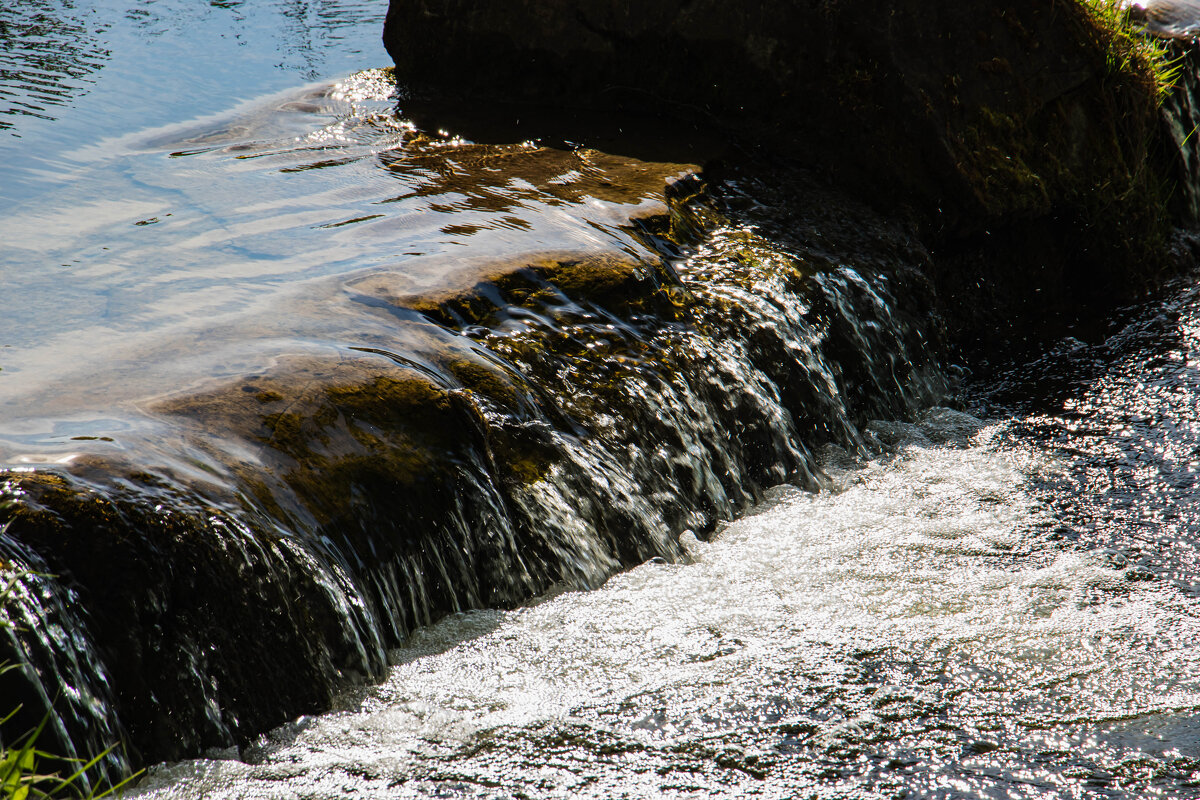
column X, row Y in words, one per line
column 248, row 544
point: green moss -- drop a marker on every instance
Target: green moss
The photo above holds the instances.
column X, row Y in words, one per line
column 528, row 470
column 398, row 435
column 389, row 402
column 998, row 163
column 487, row 380
column 1086, row 158
column 601, row 278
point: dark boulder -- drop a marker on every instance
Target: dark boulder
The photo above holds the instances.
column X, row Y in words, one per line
column 1023, row 139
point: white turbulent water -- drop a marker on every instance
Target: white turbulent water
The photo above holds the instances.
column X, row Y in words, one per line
column 915, row 630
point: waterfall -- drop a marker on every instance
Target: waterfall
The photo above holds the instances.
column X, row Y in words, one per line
column 571, row 415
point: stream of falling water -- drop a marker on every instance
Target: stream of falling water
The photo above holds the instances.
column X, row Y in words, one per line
column 921, row 629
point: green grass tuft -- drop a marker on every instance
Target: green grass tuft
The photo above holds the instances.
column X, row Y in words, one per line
column 1130, row 52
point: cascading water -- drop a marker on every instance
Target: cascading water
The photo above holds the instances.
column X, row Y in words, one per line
column 314, row 406
column 980, row 610
column 60, row 662
column 384, row 445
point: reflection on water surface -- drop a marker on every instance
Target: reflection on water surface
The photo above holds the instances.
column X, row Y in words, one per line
column 75, row 74
column 193, row 236
column 1121, row 415
column 48, row 52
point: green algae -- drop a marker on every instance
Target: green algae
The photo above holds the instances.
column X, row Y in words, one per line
column 488, row 381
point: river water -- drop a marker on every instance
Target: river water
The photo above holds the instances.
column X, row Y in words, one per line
column 926, row 629
column 1000, row 603
column 987, row 609
column 999, row 609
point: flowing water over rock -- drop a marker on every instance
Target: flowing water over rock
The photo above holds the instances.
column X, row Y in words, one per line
column 994, row 610
column 924, row 629
column 293, row 381
column 373, row 445
column 308, row 390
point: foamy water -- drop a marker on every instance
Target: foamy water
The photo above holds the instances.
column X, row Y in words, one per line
column 920, row 627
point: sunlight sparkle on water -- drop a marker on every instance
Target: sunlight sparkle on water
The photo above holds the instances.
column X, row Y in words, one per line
column 919, row 628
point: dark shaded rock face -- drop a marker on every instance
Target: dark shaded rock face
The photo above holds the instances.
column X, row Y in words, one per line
column 1181, row 115
column 1002, row 129
column 904, row 99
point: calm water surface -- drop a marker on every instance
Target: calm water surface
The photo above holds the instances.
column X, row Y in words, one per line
column 107, row 233
column 1004, row 605
column 180, row 210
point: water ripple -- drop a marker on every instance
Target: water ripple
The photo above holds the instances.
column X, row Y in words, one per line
column 48, row 54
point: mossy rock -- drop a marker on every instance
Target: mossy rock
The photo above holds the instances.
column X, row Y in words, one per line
column 1022, row 133
column 621, row 283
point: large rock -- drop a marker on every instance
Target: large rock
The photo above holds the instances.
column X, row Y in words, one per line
column 1028, row 151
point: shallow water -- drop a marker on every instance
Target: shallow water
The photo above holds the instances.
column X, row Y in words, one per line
column 155, row 251
column 1122, row 414
column 72, row 74
column 107, row 236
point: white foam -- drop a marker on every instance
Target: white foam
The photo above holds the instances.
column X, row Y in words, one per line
column 937, row 559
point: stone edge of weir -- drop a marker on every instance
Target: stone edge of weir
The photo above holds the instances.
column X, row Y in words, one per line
column 1004, row 172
